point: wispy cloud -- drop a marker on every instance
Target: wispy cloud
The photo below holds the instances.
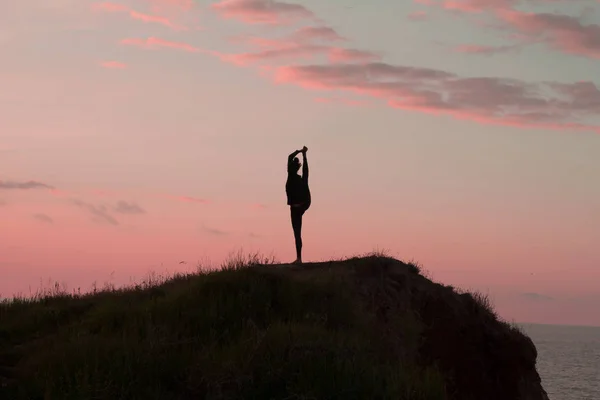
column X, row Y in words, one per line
column 312, row 33
column 214, row 231
column 536, row 296
column 561, row 32
column 262, row 11
column 564, row 33
column 156, row 43
column 342, row 55
column 304, row 43
column 3, row 203
column 23, row 185
column 183, row 5
column 483, row 50
column 124, row 207
column 43, row 218
column 148, row 18
column 113, row 65
column 188, row 199
column 100, row 213
column 485, row 100
column 417, row 16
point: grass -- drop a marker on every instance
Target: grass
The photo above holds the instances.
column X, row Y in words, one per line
column 245, row 330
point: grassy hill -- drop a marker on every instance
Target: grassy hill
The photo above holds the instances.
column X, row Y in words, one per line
column 361, row 328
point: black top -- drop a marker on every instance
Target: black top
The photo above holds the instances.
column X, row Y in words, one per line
column 296, row 187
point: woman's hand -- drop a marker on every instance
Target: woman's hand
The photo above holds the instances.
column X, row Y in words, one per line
column 304, row 149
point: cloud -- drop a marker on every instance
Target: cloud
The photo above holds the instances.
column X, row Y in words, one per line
column 23, row 185
column 100, row 213
column 3, row 203
column 291, row 51
column 299, row 46
column 43, row 218
column 487, row 100
column 484, row 100
column 482, row 49
column 536, row 296
column 154, row 43
column 124, row 207
column 119, row 8
column 417, row 16
column 214, row 231
column 262, row 11
column 561, row 32
column 113, row 65
column 188, row 199
column 184, row 5
column 341, row 55
column 311, row 33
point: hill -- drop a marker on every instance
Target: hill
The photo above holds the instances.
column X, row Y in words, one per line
column 362, row 328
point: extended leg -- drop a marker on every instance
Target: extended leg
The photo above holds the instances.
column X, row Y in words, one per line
column 296, row 214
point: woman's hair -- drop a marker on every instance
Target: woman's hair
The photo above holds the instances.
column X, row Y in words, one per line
column 293, row 166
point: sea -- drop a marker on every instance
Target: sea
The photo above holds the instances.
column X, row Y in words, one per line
column 568, row 360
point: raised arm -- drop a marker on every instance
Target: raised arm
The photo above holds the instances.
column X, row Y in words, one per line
column 304, row 167
column 294, row 154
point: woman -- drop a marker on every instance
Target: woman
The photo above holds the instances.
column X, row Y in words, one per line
column 298, row 196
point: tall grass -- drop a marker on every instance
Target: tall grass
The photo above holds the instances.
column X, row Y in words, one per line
column 241, row 331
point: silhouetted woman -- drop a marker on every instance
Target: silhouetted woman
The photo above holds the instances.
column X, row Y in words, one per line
column 298, row 196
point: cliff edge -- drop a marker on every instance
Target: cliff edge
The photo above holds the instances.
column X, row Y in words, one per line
column 363, row 328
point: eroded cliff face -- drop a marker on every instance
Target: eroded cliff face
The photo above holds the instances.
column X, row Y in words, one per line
column 480, row 356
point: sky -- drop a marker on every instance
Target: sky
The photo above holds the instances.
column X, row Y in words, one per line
column 141, row 136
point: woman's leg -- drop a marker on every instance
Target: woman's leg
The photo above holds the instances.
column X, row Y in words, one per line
column 296, row 213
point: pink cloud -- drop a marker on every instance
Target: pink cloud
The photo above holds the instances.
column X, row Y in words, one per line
column 181, row 4
column 484, row 100
column 481, row 49
column 294, row 51
column 311, row 33
column 154, row 42
column 476, row 6
column 262, row 11
column 561, row 32
column 152, row 18
column 417, row 16
column 113, row 7
column 301, row 52
column 300, row 46
column 302, row 36
column 339, row 55
column 188, row 199
column 114, row 65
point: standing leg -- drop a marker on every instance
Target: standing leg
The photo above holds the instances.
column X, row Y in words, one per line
column 296, row 213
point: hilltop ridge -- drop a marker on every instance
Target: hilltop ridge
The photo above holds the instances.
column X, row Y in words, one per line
column 365, row 327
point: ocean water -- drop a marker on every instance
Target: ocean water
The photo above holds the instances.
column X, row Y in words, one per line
column 568, row 360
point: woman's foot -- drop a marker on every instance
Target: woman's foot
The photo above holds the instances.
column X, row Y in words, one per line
column 297, row 261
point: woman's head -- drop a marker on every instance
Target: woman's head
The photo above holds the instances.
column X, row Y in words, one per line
column 294, row 166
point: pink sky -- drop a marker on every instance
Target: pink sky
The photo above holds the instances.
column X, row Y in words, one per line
column 137, row 134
